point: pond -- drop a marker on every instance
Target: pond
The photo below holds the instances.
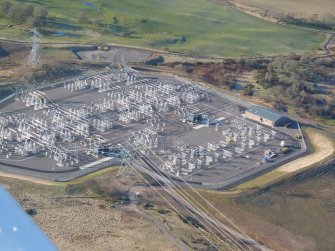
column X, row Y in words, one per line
column 58, row 34
column 61, row 34
column 89, row 4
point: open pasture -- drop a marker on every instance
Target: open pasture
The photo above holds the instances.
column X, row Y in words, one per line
column 197, row 28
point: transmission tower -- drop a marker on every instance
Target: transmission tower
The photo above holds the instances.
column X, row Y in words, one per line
column 34, row 57
column 126, row 168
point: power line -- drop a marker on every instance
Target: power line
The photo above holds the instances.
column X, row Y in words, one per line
column 210, row 204
column 174, row 208
column 181, row 201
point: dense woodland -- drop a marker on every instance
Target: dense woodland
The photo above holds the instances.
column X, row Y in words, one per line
column 303, row 84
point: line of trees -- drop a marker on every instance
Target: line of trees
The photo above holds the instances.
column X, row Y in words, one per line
column 327, row 24
column 24, row 14
column 325, row 21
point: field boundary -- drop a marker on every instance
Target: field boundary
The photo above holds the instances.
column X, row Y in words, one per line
column 268, row 21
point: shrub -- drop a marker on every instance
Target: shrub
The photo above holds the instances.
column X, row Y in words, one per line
column 248, row 90
column 20, row 13
column 74, row 189
column 5, row 6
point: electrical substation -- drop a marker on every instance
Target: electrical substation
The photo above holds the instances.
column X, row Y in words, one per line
column 175, row 127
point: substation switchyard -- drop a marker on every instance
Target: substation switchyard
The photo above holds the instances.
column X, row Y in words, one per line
column 161, row 124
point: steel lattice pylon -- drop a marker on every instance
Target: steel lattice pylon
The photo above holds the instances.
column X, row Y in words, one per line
column 34, row 57
column 126, row 169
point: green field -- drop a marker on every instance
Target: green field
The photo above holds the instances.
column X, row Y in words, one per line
column 194, row 27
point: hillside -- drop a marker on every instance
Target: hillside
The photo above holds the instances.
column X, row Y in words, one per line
column 193, row 27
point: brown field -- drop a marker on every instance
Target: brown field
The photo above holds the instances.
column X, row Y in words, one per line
column 86, row 221
column 91, row 214
column 302, row 8
column 295, row 214
column 89, row 224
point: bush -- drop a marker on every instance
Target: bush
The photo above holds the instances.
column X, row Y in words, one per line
column 148, row 205
column 31, row 211
column 74, row 189
column 182, row 39
column 115, row 20
column 20, row 13
column 94, row 187
column 248, row 90
column 163, row 211
column 144, row 20
column 5, row 6
column 155, row 61
column 279, row 106
column 42, row 13
column 195, row 222
column 82, row 18
column 34, row 22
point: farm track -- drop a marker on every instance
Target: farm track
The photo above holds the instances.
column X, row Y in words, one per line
column 328, row 42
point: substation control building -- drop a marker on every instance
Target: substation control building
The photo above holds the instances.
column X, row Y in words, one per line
column 265, row 116
column 194, row 117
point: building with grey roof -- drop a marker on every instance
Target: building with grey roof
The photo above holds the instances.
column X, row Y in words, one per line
column 265, row 116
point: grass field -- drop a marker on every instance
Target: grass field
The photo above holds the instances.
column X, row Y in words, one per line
column 303, row 205
column 303, row 8
column 85, row 221
column 295, row 214
column 193, row 27
column 91, row 213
